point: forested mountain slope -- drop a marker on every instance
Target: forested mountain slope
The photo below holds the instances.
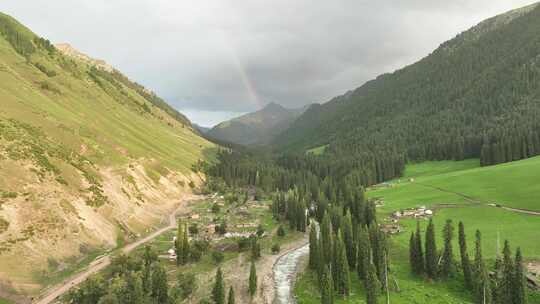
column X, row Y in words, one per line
column 88, row 159
column 256, row 128
column 477, row 95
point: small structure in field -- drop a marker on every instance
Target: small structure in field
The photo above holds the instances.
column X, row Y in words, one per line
column 210, row 228
column 172, row 254
column 420, row 212
column 247, row 225
column 195, row 216
column 391, row 228
column 229, row 235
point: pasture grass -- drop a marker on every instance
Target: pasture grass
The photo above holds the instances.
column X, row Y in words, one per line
column 459, row 191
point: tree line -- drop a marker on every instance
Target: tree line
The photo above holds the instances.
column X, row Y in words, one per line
column 504, row 284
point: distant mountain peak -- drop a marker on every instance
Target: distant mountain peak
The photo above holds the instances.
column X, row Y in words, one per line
column 273, row 105
column 258, row 127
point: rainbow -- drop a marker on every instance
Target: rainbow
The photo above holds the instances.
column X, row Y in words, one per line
column 251, row 90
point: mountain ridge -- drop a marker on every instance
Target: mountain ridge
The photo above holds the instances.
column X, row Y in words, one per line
column 462, row 100
column 89, row 160
column 256, row 128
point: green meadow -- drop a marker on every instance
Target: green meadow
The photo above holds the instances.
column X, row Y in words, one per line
column 459, row 191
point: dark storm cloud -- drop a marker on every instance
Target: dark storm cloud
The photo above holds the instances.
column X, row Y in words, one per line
column 236, row 55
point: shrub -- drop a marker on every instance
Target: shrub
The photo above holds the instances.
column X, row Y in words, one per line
column 221, row 228
column 52, row 263
column 216, row 208
column 195, row 254
column 218, row 257
column 193, row 229
column 45, row 70
column 4, row 225
column 276, row 248
column 48, row 86
column 244, row 243
column 201, row 245
column 281, row 231
column 186, row 284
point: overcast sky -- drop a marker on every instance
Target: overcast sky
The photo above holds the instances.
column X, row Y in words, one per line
column 217, row 59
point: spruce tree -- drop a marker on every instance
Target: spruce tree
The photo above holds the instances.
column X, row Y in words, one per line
column 420, row 263
column 179, row 244
column 326, row 238
column 159, row 285
column 507, row 282
column 313, row 249
column 185, row 246
column 412, row 253
column 372, row 284
column 301, row 217
column 465, row 261
column 447, row 261
column 252, row 279
column 342, row 278
column 218, row 292
column 378, row 250
column 370, row 213
column 481, row 281
column 231, row 299
column 431, row 251
column 327, row 288
column 520, row 286
column 364, row 252
column 348, row 238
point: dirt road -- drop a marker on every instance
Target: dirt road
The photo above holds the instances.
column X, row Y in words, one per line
column 477, row 201
column 105, row 261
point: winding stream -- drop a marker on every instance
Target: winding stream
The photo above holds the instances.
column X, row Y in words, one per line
column 285, row 271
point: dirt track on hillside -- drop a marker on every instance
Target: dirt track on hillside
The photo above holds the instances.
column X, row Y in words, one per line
column 105, row 261
column 477, row 201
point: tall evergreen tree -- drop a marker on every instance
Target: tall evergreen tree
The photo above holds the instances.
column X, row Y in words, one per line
column 327, row 287
column 431, row 251
column 185, row 245
column 370, row 213
column 179, row 244
column 372, row 284
column 342, row 278
column 314, row 254
column 465, row 261
column 412, row 253
column 231, row 299
column 348, row 238
column 447, row 260
column 364, row 253
column 159, row 285
column 218, row 291
column 520, row 286
column 482, row 287
column 378, row 250
column 326, row 238
column 507, row 282
column 420, row 263
column 252, row 279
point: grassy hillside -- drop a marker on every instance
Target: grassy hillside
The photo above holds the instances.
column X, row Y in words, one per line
column 511, row 185
column 255, row 128
column 88, row 158
column 462, row 192
column 476, row 96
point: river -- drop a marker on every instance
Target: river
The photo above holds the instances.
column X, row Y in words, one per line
column 285, row 271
